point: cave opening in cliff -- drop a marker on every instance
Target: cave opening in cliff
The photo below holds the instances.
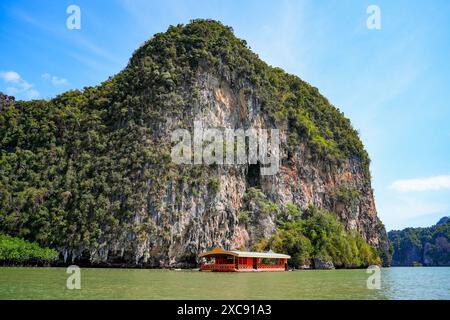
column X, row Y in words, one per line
column 254, row 175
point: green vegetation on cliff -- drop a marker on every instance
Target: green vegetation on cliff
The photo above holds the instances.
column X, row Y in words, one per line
column 76, row 169
column 172, row 58
column 18, row 251
column 317, row 234
column 422, row 246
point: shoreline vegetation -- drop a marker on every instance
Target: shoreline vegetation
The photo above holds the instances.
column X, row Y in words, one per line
column 311, row 237
column 18, row 252
column 314, row 238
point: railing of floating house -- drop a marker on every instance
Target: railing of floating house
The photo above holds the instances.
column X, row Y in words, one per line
column 245, row 267
column 270, row 266
column 217, row 267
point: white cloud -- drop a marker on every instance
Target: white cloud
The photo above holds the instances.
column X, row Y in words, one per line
column 407, row 211
column 425, row 184
column 17, row 85
column 10, row 76
column 54, row 80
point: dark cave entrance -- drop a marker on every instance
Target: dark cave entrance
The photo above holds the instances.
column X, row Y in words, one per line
column 254, row 175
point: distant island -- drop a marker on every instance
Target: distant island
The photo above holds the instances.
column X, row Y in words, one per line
column 422, row 246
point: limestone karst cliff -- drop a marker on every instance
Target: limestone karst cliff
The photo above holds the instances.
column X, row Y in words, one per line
column 90, row 172
column 428, row 246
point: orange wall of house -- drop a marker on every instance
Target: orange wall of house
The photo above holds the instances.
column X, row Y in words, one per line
column 246, row 261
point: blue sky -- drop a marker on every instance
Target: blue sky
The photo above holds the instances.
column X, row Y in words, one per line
column 392, row 83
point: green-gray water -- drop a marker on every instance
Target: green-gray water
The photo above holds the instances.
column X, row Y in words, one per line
column 396, row 283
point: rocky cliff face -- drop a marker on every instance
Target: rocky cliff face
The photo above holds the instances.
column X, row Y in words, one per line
column 131, row 204
column 422, row 246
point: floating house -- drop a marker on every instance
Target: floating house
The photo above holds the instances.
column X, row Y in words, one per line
column 222, row 260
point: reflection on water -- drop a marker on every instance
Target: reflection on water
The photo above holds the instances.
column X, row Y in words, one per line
column 396, row 283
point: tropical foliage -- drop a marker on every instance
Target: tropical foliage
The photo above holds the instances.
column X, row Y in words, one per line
column 317, row 234
column 18, row 251
column 422, row 246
